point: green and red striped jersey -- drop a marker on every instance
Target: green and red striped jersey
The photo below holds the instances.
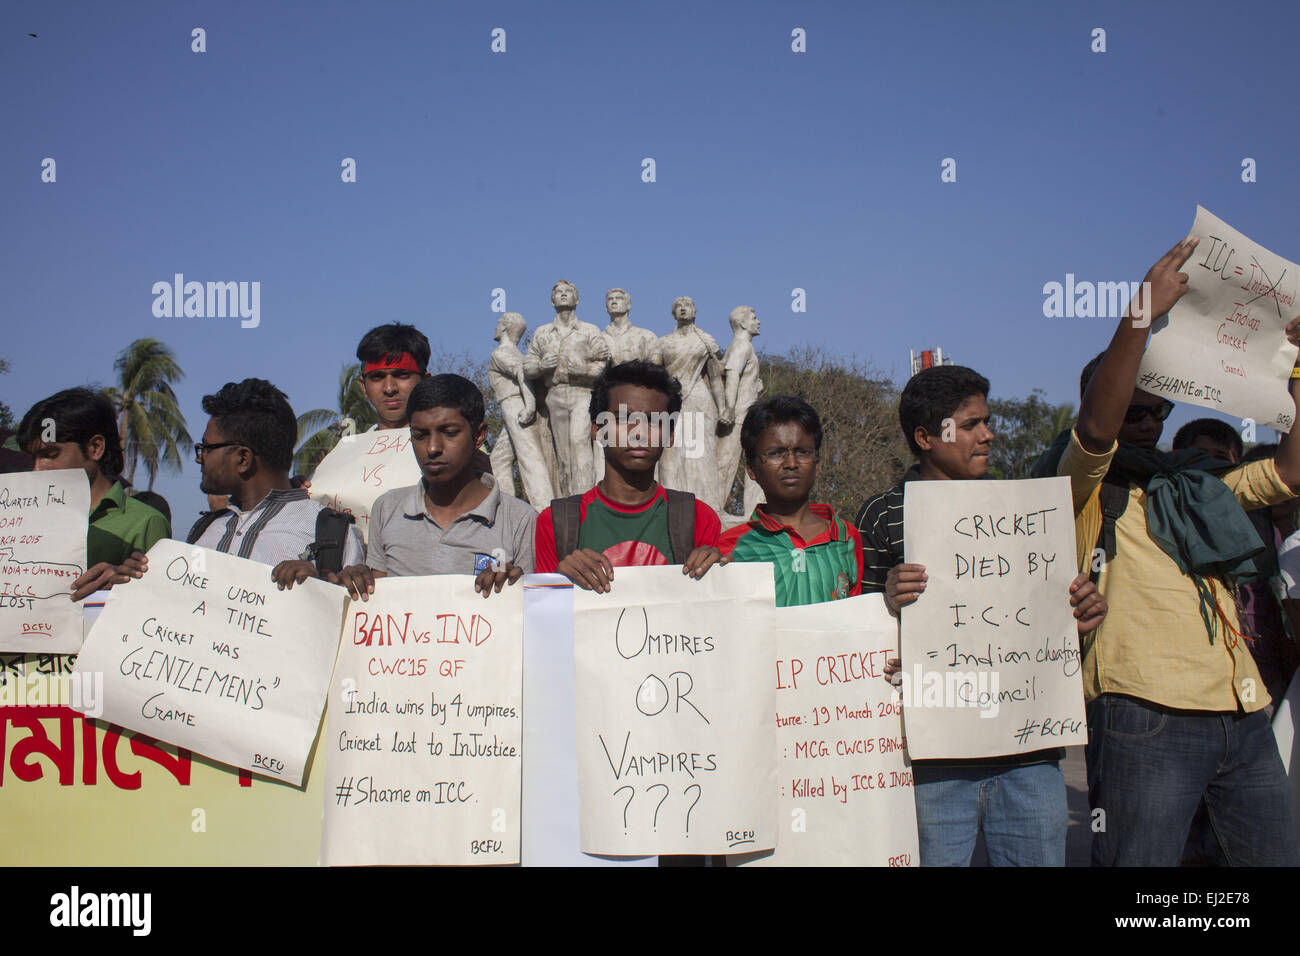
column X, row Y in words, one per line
column 827, row 568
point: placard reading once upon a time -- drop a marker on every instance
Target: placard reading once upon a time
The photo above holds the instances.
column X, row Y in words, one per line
column 676, row 743
column 205, row 652
column 990, row 650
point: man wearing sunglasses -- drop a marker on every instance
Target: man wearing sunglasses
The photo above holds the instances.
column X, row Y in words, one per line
column 1176, row 705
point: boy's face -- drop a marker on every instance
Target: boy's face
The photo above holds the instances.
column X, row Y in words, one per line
column 636, row 428
column 785, row 465
column 1215, row 449
column 386, row 389
column 966, row 455
column 55, row 456
column 444, row 444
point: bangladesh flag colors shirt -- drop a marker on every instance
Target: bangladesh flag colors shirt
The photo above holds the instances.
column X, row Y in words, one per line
column 827, row 568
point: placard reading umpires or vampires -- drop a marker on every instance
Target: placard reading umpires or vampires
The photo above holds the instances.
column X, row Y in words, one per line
column 676, row 744
column 991, row 650
column 423, row 760
column 845, row 783
column 362, row 467
column 1223, row 345
column 205, row 652
column 43, row 519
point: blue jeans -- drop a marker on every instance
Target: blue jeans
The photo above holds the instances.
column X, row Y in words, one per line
column 1021, row 810
column 1150, row 766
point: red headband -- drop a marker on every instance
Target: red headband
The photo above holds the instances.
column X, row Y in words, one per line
column 404, row 362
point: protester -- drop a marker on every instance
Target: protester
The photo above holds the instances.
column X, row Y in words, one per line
column 246, row 453
column 628, row 519
column 77, row 428
column 1018, row 801
column 1216, row 438
column 816, row 555
column 1176, row 705
column 455, row 520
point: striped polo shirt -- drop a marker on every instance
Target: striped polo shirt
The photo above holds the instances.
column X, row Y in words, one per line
column 825, row 568
column 279, row 528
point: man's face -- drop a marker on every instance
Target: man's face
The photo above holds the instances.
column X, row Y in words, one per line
column 785, row 465
column 219, row 471
column 444, row 444
column 1145, row 432
column 564, row 296
column 750, row 324
column 1215, row 449
column 635, row 429
column 386, row 389
column 616, row 303
column 966, row 455
column 55, row 456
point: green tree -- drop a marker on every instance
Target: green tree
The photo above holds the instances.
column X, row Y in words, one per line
column 320, row 429
column 6, row 413
column 149, row 418
column 1023, row 428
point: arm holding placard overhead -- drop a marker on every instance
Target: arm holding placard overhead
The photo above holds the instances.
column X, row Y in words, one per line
column 1287, row 460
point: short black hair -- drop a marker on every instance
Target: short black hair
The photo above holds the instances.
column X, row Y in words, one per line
column 394, row 339
column 778, row 410
column 79, row 414
column 155, row 501
column 1211, row 428
column 1088, row 372
column 448, row 391
column 257, row 414
column 933, row 394
column 647, row 375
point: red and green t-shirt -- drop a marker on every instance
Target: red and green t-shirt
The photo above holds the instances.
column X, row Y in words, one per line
column 827, row 568
column 629, row 537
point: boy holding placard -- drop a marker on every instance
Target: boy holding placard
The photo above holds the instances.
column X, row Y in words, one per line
column 77, row 428
column 628, row 519
column 1018, row 801
column 455, row 520
column 1176, row 706
column 816, row 555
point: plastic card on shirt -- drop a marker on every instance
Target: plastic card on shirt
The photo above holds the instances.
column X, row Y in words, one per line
column 423, row 760
column 845, row 783
column 43, row 521
column 206, row 653
column 362, row 467
column 1223, row 345
column 990, row 650
column 676, row 743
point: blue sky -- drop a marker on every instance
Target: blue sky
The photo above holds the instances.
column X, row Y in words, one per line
column 775, row 170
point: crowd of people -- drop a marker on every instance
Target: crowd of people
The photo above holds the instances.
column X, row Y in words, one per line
column 1187, row 642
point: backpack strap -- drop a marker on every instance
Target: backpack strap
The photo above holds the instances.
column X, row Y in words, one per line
column 681, row 524
column 204, row 522
column 565, row 519
column 331, row 534
column 1113, row 495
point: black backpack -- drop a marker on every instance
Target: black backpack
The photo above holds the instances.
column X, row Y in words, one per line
column 565, row 518
column 326, row 551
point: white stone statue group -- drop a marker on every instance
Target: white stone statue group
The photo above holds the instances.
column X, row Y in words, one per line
column 551, row 440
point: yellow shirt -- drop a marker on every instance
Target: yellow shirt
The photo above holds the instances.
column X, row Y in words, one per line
column 1153, row 644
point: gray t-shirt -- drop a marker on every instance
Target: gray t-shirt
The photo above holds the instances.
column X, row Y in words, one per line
column 405, row 541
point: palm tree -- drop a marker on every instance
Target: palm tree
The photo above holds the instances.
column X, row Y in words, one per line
column 150, row 422
column 320, row 429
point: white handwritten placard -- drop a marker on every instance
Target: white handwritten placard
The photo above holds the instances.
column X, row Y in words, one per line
column 990, row 650
column 423, row 761
column 362, row 467
column 1223, row 345
column 206, row 653
column 676, row 744
column 845, row 786
column 43, row 521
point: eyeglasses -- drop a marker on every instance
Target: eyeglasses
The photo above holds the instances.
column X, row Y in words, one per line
column 777, row 456
column 200, row 448
column 1159, row 412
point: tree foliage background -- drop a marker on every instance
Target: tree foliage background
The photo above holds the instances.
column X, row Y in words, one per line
column 1023, row 427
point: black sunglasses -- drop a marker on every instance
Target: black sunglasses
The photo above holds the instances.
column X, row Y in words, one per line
column 1159, row 412
column 200, row 448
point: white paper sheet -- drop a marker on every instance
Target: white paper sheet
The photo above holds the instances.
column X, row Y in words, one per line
column 206, row 653
column 1223, row 345
column 423, row 759
column 676, row 743
column 43, row 522
column 990, row 650
column 845, row 784
column 362, row 467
